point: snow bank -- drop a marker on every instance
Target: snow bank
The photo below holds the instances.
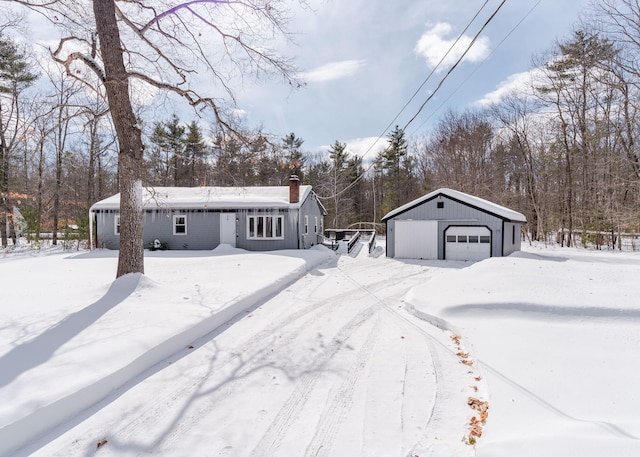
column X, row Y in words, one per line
column 556, row 333
column 51, row 373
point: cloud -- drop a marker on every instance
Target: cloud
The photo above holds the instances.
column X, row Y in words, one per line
column 518, row 83
column 333, row 70
column 434, row 44
column 367, row 145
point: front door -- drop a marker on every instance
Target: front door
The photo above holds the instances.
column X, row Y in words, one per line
column 228, row 228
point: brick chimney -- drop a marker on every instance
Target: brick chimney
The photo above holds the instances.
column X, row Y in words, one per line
column 294, row 189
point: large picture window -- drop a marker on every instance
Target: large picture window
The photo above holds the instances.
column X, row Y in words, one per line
column 265, row 227
column 179, row 224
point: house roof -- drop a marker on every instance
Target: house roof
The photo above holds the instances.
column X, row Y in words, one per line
column 476, row 202
column 211, row 198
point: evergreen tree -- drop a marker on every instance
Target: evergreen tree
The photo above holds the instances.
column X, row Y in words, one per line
column 14, row 78
column 195, row 153
column 292, row 158
column 393, row 166
column 168, row 152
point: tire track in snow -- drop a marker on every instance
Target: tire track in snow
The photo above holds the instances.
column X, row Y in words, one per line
column 434, row 442
column 437, row 348
column 258, row 345
column 340, row 404
column 287, row 415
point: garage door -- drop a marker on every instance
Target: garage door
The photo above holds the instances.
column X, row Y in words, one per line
column 416, row 239
column 467, row 243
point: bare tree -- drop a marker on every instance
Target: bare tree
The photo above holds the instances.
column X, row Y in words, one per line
column 161, row 44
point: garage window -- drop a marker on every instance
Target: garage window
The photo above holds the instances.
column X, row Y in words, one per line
column 462, row 238
column 485, row 239
column 473, row 238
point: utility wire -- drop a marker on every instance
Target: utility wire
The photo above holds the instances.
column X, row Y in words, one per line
column 417, row 91
column 354, row 182
column 453, row 67
column 477, row 67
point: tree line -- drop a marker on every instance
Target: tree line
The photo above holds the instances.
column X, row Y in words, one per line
column 562, row 148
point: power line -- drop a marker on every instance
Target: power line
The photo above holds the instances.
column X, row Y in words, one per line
column 453, row 67
column 473, row 19
column 527, row 14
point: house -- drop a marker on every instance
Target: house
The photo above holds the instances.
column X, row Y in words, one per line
column 252, row 218
column 450, row 225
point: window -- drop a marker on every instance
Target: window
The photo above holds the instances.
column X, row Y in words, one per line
column 485, row 239
column 265, row 227
column 451, row 238
column 473, row 238
column 179, row 224
column 306, row 225
column 315, row 225
column 116, row 224
column 440, row 205
column 513, row 234
column 462, row 238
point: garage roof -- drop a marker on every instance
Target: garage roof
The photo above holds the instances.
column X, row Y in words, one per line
column 470, row 200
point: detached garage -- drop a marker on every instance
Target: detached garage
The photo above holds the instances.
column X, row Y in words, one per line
column 451, row 225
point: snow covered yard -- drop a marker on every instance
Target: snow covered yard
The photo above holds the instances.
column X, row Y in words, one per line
column 556, row 333
column 329, row 356
column 71, row 335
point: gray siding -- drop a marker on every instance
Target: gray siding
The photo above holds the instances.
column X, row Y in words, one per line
column 512, row 237
column 289, row 241
column 312, row 209
column 105, row 236
column 203, row 228
column 453, row 213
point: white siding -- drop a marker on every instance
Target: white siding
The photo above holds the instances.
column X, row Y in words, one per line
column 416, row 239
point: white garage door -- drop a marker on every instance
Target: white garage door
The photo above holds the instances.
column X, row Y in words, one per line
column 416, row 239
column 467, row 243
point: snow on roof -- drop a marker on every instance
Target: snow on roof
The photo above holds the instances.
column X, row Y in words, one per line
column 211, row 198
column 477, row 202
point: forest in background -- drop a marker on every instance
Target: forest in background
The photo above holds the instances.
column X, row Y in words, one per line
column 562, row 148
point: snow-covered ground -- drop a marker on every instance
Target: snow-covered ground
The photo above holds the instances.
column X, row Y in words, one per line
column 326, row 355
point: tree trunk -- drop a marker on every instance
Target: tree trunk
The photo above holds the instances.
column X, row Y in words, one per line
column 92, row 163
column 4, row 185
column 130, row 163
column 39, row 196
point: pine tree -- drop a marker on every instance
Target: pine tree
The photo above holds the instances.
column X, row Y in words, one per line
column 14, row 78
column 195, row 152
column 292, row 159
column 392, row 164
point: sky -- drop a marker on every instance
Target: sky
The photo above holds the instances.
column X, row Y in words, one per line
column 363, row 60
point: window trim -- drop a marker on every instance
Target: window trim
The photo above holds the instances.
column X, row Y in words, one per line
column 116, row 224
column 175, row 224
column 277, row 220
